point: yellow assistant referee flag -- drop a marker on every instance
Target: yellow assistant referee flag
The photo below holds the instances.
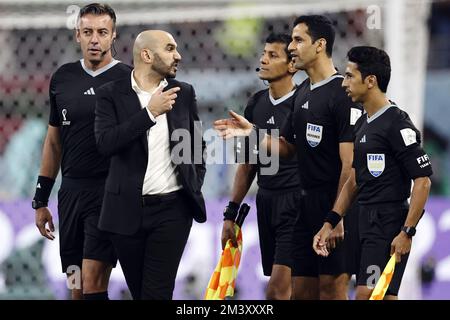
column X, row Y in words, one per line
column 384, row 281
column 223, row 279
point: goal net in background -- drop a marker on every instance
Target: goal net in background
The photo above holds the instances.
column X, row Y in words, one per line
column 220, row 43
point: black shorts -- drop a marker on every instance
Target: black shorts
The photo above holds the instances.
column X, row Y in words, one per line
column 79, row 204
column 277, row 212
column 314, row 205
column 378, row 226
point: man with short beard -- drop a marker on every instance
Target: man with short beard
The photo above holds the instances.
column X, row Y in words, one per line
column 150, row 199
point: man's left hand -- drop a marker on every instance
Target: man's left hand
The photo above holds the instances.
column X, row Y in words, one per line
column 337, row 236
column 401, row 245
column 320, row 240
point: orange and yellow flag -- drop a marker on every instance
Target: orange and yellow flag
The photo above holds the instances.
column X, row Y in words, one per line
column 384, row 281
column 223, row 280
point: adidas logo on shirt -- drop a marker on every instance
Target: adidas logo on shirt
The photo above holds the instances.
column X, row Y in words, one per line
column 90, row 92
column 305, row 105
column 363, row 139
column 271, row 120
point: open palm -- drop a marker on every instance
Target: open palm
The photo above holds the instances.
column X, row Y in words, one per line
column 235, row 126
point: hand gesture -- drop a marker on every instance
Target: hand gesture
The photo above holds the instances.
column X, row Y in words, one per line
column 235, row 126
column 161, row 102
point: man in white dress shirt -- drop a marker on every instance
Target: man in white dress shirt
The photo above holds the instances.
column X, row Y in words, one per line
column 151, row 198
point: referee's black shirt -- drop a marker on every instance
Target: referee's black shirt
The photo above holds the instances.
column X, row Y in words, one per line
column 269, row 114
column 72, row 107
column 387, row 156
column 323, row 117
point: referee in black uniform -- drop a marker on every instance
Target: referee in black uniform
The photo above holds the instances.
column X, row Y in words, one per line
column 278, row 194
column 70, row 143
column 387, row 156
column 320, row 129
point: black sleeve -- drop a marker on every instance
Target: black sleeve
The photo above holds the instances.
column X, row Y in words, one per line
column 355, row 129
column 248, row 112
column 353, row 139
column 54, row 119
column 287, row 129
column 243, row 144
column 197, row 134
column 346, row 114
column 405, row 143
column 111, row 136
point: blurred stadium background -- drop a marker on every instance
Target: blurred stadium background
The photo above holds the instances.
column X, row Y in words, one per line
column 220, row 42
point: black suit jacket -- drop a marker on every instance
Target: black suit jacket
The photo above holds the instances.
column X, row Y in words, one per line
column 121, row 132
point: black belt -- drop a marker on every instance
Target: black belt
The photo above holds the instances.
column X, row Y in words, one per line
column 149, row 200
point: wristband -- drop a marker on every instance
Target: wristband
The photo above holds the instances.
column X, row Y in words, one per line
column 44, row 187
column 231, row 211
column 333, row 218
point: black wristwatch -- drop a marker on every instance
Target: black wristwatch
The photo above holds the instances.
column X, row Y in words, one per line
column 410, row 231
column 36, row 204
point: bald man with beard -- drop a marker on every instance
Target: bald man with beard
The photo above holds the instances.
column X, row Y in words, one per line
column 152, row 194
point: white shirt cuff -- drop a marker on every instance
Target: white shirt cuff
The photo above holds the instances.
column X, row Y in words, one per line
column 150, row 115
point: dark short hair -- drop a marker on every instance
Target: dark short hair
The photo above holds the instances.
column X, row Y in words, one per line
column 98, row 9
column 319, row 27
column 372, row 61
column 283, row 39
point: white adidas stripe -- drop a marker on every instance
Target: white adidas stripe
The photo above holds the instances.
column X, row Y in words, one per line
column 90, row 92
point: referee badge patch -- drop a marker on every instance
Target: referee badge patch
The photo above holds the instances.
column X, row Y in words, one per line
column 375, row 163
column 313, row 134
column 409, row 136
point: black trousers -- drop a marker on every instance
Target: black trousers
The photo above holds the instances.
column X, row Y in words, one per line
column 150, row 258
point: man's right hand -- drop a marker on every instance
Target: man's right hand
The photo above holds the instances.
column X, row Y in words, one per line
column 162, row 102
column 44, row 217
column 228, row 233
column 235, row 126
